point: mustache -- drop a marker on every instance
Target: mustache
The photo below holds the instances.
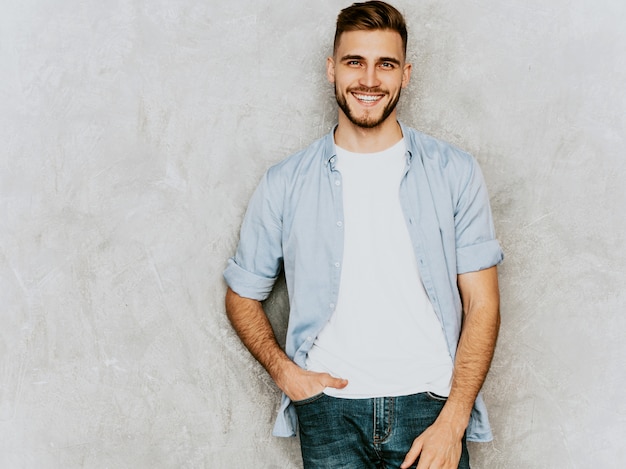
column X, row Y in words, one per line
column 365, row 89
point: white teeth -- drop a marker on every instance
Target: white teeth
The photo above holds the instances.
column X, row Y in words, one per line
column 369, row 99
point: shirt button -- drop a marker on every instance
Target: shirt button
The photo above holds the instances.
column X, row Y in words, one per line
column 332, row 305
column 337, row 264
column 337, row 182
column 339, row 223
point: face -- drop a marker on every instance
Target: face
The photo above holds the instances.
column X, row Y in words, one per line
column 368, row 71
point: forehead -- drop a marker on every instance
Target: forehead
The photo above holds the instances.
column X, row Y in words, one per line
column 371, row 43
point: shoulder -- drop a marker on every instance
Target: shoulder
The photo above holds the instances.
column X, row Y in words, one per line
column 449, row 170
column 303, row 161
column 438, row 153
column 304, row 167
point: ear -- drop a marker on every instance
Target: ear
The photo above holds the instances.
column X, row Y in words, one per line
column 330, row 69
column 406, row 75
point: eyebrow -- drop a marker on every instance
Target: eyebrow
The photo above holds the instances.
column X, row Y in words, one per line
column 380, row 59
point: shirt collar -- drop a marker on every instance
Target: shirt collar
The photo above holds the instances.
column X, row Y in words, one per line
column 330, row 150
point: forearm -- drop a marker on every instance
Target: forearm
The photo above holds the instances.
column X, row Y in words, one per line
column 471, row 365
column 476, row 345
column 255, row 331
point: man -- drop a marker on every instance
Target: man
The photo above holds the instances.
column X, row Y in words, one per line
column 387, row 243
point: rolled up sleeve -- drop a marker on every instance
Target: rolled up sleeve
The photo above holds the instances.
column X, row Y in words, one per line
column 477, row 247
column 247, row 284
column 478, row 257
column 254, row 268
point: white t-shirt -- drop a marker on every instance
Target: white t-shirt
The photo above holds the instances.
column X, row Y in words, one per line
column 384, row 336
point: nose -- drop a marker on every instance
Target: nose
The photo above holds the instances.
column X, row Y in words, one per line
column 369, row 78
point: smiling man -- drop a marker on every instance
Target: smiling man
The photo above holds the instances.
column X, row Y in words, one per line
column 387, row 242
column 376, row 92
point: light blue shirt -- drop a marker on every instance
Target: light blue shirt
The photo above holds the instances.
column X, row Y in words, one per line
column 295, row 221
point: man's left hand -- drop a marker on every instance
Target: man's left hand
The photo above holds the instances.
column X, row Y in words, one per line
column 439, row 447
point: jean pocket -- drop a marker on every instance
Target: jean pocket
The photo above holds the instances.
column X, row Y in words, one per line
column 308, row 400
column 436, row 397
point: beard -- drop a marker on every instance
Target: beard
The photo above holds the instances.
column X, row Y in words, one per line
column 367, row 121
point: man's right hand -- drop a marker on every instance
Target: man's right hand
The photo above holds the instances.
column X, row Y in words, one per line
column 299, row 384
column 251, row 324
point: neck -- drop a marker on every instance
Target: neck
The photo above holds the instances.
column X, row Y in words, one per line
column 362, row 140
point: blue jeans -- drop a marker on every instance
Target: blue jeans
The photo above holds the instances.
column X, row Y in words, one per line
column 365, row 433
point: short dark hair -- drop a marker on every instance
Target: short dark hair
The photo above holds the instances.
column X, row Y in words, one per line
column 370, row 15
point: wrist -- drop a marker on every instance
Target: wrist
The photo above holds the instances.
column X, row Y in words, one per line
column 283, row 374
column 456, row 416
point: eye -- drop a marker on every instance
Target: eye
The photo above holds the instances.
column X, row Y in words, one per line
column 353, row 63
column 387, row 65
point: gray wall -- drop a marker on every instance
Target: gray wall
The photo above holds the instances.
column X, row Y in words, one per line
column 133, row 133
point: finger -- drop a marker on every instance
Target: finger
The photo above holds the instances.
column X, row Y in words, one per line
column 332, row 382
column 412, row 455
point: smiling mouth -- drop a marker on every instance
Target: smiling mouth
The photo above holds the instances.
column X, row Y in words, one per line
column 367, row 98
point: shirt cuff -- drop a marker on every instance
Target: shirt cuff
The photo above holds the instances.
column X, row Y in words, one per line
column 247, row 284
column 478, row 256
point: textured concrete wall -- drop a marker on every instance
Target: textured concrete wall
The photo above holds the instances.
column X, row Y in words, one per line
column 133, row 133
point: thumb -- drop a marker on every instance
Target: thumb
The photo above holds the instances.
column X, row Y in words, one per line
column 332, row 382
